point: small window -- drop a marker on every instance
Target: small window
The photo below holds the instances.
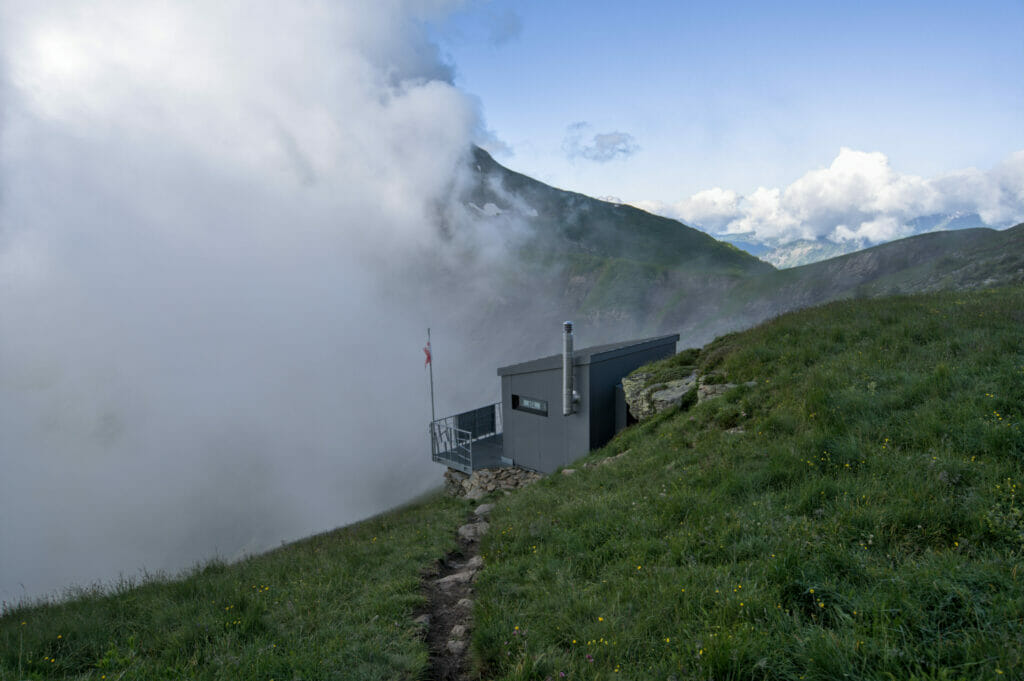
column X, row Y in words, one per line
column 530, row 404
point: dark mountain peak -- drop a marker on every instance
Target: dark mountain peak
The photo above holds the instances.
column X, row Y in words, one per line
column 570, row 222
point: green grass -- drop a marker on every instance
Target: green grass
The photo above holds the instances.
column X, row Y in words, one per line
column 680, row 365
column 867, row 523
column 336, row 605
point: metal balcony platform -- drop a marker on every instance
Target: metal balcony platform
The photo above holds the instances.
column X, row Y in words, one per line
column 469, row 441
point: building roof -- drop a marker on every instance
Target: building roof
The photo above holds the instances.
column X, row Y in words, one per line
column 595, row 353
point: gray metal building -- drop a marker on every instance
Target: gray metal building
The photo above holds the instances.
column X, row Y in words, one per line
column 553, row 410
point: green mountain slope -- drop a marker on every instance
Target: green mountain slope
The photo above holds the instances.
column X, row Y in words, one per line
column 562, row 222
column 960, row 259
column 613, row 268
column 855, row 514
column 956, row 260
column 627, row 272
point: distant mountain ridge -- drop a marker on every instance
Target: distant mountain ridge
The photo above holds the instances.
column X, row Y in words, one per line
column 959, row 259
column 807, row 251
column 623, row 272
column 569, row 222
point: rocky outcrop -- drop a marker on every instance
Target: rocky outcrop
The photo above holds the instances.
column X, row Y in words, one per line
column 708, row 391
column 645, row 398
column 486, row 480
column 633, row 390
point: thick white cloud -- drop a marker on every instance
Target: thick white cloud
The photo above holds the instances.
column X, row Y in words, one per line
column 859, row 197
column 213, row 221
column 716, row 207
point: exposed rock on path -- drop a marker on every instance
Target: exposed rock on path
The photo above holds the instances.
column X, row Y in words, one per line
column 448, row 621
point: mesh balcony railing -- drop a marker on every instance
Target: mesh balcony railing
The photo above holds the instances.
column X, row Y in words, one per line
column 452, row 438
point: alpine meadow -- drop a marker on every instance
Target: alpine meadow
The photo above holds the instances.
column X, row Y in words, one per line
column 855, row 514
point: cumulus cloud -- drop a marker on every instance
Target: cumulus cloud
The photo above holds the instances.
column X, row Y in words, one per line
column 859, row 197
column 716, row 207
column 214, row 220
column 996, row 195
column 598, row 147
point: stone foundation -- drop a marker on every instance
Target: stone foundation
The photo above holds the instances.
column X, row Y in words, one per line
column 486, row 480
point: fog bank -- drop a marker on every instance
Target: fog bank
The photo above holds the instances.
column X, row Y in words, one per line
column 215, row 220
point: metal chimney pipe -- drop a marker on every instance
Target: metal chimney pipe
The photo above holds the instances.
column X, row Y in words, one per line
column 567, row 388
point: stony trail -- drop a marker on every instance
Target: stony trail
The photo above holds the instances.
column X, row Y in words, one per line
column 448, row 620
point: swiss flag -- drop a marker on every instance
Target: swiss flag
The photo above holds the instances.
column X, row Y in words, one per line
column 426, row 351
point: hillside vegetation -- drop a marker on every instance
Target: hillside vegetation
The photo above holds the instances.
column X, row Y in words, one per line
column 855, row 514
column 566, row 222
column 334, row 606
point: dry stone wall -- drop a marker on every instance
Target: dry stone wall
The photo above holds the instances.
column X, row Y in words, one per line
column 486, row 480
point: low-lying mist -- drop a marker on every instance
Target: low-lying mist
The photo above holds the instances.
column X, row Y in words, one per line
column 218, row 228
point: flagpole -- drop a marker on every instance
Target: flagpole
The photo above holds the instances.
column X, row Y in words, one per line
column 433, row 415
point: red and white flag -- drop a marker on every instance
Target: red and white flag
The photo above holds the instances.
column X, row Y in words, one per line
column 426, row 351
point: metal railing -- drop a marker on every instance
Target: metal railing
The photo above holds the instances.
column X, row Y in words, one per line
column 452, row 437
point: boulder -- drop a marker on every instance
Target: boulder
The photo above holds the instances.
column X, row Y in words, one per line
column 632, row 387
column 647, row 400
column 464, row 577
column 672, row 394
column 473, row 531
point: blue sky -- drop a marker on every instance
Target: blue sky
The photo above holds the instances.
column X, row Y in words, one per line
column 740, row 95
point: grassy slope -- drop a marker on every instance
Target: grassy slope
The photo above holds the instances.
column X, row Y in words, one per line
column 337, row 605
column 867, row 522
column 967, row 258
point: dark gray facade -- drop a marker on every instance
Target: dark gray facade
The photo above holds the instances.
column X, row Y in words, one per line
column 537, row 436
